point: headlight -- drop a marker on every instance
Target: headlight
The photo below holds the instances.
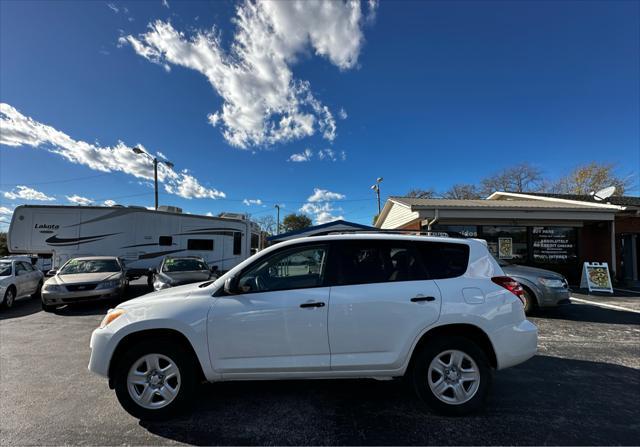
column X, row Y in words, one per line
column 53, row 288
column 159, row 285
column 551, row 282
column 112, row 314
column 109, row 284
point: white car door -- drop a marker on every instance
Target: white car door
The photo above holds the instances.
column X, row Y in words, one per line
column 21, row 279
column 277, row 321
column 380, row 302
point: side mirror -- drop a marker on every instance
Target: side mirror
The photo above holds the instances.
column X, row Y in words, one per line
column 231, row 285
column 52, row 272
column 214, row 269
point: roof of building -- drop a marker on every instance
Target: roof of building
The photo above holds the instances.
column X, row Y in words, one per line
column 416, row 204
column 613, row 200
column 319, row 229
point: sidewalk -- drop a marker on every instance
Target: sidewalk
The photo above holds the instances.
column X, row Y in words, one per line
column 625, row 299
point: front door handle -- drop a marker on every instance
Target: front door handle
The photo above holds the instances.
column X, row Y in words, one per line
column 419, row 299
column 317, row 304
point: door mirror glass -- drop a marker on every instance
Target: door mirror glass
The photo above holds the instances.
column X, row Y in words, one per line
column 231, row 285
column 52, row 272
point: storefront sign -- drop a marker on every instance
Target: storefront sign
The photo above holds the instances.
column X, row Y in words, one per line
column 505, row 247
column 596, row 277
column 553, row 245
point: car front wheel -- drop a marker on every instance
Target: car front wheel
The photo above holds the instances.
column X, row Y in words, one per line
column 452, row 376
column 9, row 298
column 155, row 380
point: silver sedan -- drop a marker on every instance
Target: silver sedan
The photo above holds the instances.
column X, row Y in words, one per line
column 84, row 279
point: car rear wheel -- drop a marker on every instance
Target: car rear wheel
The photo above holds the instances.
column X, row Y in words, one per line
column 37, row 294
column 452, row 376
column 9, row 298
column 155, row 380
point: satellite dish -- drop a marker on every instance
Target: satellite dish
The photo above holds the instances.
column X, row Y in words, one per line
column 604, row 193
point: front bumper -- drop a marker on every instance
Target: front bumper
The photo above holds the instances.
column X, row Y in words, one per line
column 554, row 296
column 101, row 351
column 67, row 297
column 515, row 344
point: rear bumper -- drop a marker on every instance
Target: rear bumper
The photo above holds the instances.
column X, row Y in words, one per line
column 515, row 344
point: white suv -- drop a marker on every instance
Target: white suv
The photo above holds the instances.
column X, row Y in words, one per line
column 437, row 310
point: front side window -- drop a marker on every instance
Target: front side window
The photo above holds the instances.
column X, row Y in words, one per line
column 19, row 268
column 444, row 260
column 364, row 262
column 5, row 268
column 297, row 268
column 76, row 266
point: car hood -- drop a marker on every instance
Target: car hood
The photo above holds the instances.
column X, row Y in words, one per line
column 173, row 293
column 526, row 271
column 185, row 277
column 85, row 277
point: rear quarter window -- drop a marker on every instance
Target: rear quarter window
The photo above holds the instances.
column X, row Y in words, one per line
column 443, row 260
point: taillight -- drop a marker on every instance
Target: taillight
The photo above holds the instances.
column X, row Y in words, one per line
column 511, row 285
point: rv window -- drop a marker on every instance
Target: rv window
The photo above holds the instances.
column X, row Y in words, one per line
column 165, row 240
column 237, row 243
column 200, row 244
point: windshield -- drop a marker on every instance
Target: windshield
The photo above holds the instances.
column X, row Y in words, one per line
column 90, row 266
column 183, row 265
column 5, row 268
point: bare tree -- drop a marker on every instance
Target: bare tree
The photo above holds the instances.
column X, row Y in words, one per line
column 591, row 177
column 421, row 193
column 520, row 178
column 267, row 224
column 462, row 191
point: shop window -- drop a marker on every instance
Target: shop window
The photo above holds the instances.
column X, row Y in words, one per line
column 455, row 230
column 508, row 243
column 554, row 245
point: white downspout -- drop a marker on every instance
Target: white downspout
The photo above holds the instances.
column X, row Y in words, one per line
column 432, row 221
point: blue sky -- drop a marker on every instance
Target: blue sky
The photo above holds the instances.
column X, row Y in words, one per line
column 425, row 94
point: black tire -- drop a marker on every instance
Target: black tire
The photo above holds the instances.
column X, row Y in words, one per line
column 9, row 298
column 420, row 375
column 530, row 303
column 38, row 293
column 180, row 356
column 48, row 307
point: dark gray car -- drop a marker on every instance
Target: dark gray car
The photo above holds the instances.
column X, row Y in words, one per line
column 543, row 288
column 174, row 271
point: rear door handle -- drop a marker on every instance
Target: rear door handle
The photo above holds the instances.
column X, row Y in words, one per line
column 318, row 304
column 419, row 299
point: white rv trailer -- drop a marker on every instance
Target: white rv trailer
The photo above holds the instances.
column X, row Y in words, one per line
column 139, row 236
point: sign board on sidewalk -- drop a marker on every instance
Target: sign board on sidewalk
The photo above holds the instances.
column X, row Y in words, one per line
column 596, row 277
column 505, row 247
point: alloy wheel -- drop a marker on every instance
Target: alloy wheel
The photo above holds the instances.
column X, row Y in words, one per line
column 453, row 377
column 153, row 381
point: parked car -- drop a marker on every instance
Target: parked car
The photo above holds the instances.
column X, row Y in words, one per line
column 18, row 279
column 84, row 279
column 437, row 310
column 174, row 271
column 542, row 288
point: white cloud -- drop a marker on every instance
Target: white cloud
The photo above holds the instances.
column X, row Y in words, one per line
column 330, row 154
column 305, row 155
column 209, row 213
column 109, row 202
column 79, row 200
column 249, row 202
column 263, row 103
column 324, row 195
column 113, row 7
column 25, row 193
column 165, row 3
column 4, row 211
column 342, row 114
column 161, row 155
column 19, row 130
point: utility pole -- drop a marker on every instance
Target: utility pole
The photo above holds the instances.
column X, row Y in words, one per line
column 278, row 220
column 155, row 160
column 376, row 188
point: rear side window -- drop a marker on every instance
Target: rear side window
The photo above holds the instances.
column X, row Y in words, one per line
column 443, row 260
column 200, row 244
column 365, row 262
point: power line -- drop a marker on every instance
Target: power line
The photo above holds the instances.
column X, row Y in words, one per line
column 49, row 182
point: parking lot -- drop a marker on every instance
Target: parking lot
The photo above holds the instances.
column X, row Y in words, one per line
column 583, row 387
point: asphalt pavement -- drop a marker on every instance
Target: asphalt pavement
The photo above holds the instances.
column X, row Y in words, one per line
column 582, row 388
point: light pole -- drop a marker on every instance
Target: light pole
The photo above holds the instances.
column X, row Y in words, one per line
column 155, row 160
column 376, row 188
column 278, row 220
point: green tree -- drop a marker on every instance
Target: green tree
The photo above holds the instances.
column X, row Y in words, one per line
column 591, row 177
column 4, row 250
column 293, row 222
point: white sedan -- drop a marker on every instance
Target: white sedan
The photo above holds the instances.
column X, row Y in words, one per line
column 18, row 279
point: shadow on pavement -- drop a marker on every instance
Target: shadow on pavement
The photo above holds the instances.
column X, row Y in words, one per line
column 547, row 400
column 21, row 308
column 590, row 313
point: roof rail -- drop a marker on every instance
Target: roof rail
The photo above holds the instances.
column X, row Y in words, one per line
column 435, row 233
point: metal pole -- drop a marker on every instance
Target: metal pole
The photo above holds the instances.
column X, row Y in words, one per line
column 155, row 178
column 278, row 220
column 378, row 192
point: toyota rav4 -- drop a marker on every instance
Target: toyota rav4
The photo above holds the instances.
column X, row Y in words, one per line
column 438, row 311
